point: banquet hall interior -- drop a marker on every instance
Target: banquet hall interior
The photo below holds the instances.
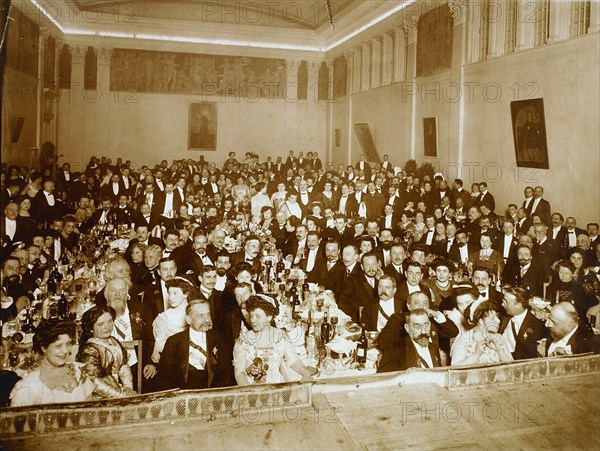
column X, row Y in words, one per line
column 324, row 224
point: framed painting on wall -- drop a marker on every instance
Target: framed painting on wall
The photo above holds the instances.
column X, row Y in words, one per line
column 202, row 126
column 529, row 133
column 430, row 143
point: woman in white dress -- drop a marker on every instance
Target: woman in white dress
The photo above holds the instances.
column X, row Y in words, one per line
column 279, row 195
column 265, row 353
column 54, row 380
column 483, row 343
column 172, row 320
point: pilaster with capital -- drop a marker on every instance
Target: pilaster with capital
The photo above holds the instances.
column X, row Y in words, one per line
column 387, row 58
column 366, row 67
column 458, row 9
column 357, row 70
column 291, row 90
column 376, row 46
column 399, row 54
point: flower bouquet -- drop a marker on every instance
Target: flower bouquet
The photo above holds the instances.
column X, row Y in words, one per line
column 258, row 370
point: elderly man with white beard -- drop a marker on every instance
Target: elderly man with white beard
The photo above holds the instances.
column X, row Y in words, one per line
column 133, row 322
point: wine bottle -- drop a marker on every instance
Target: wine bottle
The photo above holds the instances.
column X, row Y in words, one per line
column 309, row 327
column 28, row 327
column 326, row 328
column 63, row 306
column 362, row 347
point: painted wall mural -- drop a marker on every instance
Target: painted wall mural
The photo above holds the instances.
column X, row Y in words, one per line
column 197, row 74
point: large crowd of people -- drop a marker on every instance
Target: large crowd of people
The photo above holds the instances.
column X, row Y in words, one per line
column 178, row 256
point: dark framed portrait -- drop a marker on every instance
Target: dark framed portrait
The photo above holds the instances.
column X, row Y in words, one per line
column 529, row 133
column 202, row 126
column 430, row 143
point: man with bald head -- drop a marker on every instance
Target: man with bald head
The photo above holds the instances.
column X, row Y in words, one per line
column 133, row 322
column 569, row 334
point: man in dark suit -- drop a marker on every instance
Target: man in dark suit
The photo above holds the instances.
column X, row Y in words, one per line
column 14, row 229
column 519, row 327
column 362, row 165
column 486, row 197
column 540, row 207
column 417, row 350
column 250, row 253
column 208, row 280
column 413, row 273
column 65, row 180
column 570, row 335
column 374, row 202
column 360, row 288
column 11, row 192
column 155, row 295
column 167, row 202
column 378, row 311
column 45, row 206
column 341, row 232
column 527, row 274
column 347, row 203
column 459, row 192
column 128, row 184
column 557, row 233
column 103, row 215
column 113, row 188
column 544, row 251
column 572, row 232
column 506, row 244
column 133, row 322
column 197, row 358
column 394, row 269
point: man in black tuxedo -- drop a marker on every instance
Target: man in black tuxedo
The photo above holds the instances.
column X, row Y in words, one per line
column 360, row 285
column 527, row 274
column 103, row 215
column 14, row 229
column 417, row 350
column 133, row 322
column 347, row 203
column 461, row 249
column 314, row 255
column 113, row 188
column 167, row 203
column 216, row 245
column 45, row 206
column 520, row 328
column 197, row 358
column 127, row 182
column 207, row 291
column 570, row 335
column 193, row 259
column 65, row 180
column 572, row 232
column 506, row 244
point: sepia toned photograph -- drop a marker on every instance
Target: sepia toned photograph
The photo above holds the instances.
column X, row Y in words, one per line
column 300, row 225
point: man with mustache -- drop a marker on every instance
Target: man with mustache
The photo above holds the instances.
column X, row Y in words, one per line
column 416, row 351
column 528, row 274
column 198, row 357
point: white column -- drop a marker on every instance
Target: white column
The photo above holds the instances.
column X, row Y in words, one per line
column 357, row 70
column 312, row 106
column 42, row 40
column 351, row 58
column 473, row 40
column 366, row 67
column 526, row 21
column 76, row 103
column 497, row 22
column 293, row 136
column 400, row 56
column 376, row 62
column 387, row 60
column 458, row 9
column 594, row 16
column 560, row 14
column 329, row 101
column 410, row 28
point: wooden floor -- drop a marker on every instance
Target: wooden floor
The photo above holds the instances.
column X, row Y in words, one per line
column 556, row 414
